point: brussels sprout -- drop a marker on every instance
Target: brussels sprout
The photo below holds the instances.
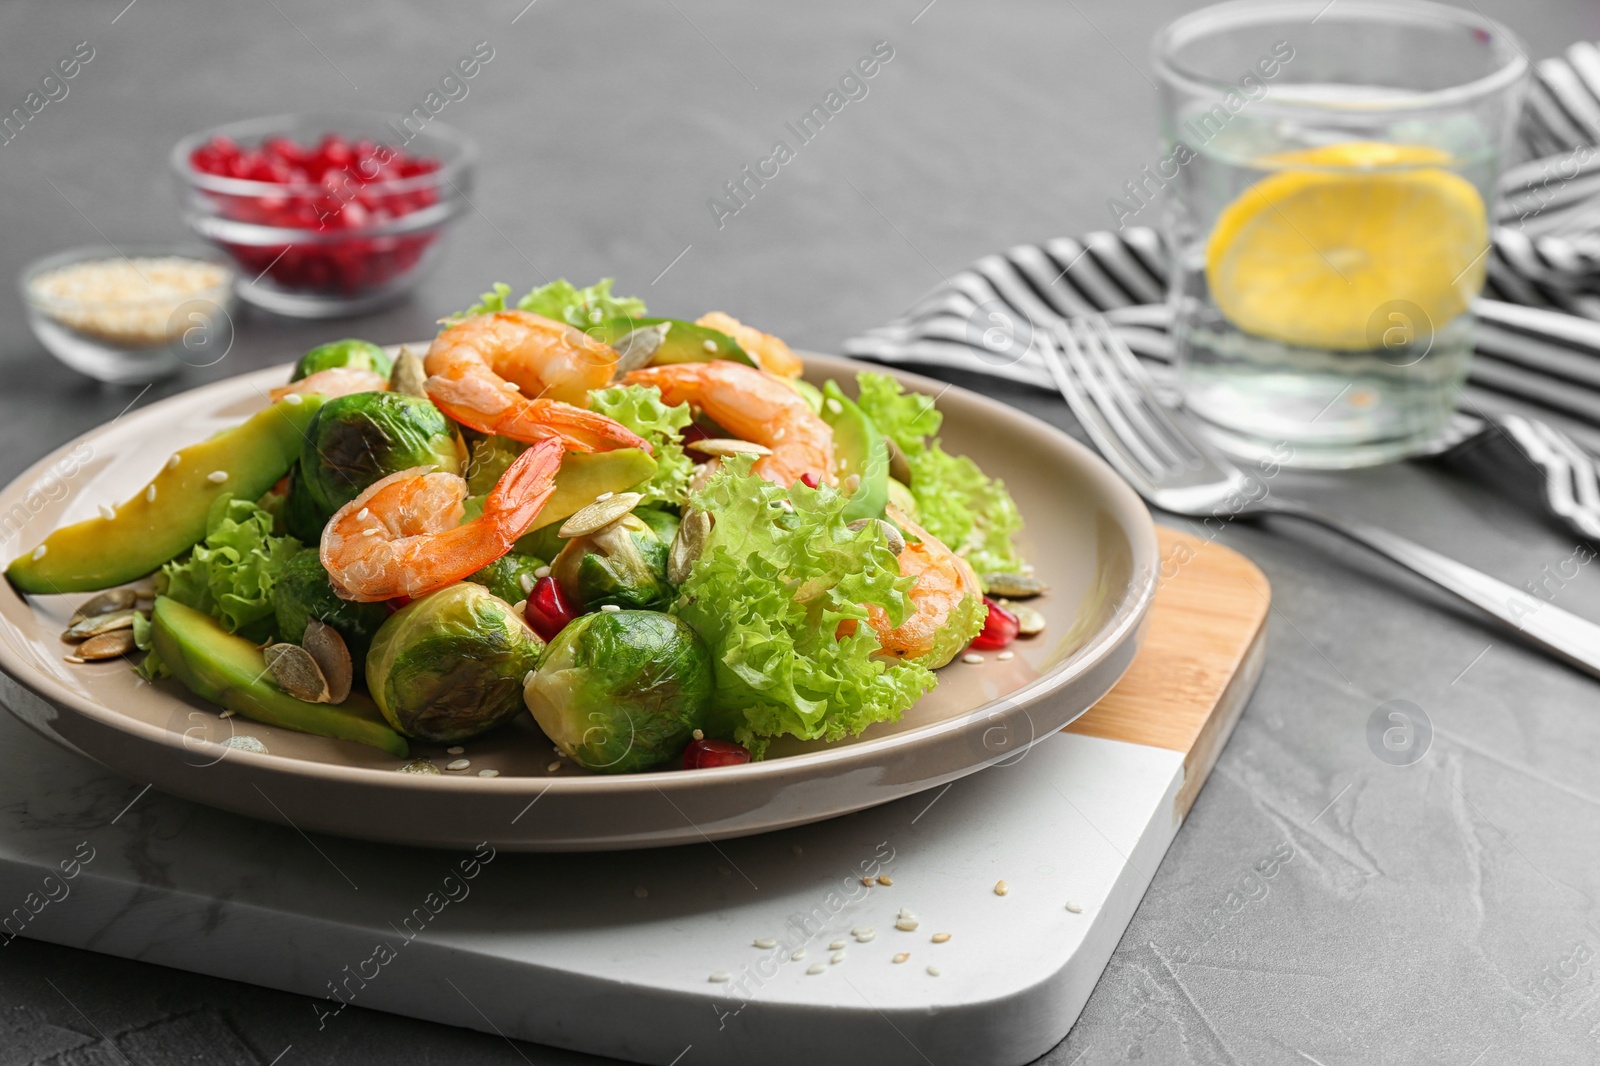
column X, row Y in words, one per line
column 623, row 564
column 621, row 691
column 303, row 517
column 507, row 576
column 450, row 665
column 660, row 520
column 490, row 458
column 303, row 592
column 357, row 354
column 357, row 439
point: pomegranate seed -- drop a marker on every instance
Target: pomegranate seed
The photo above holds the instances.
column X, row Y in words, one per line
column 703, row 754
column 999, row 627
column 547, row 610
column 810, row 480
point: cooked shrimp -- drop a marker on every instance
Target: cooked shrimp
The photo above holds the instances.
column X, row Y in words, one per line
column 336, row 381
column 525, row 377
column 754, row 405
column 943, row 580
column 403, row 536
column 770, row 353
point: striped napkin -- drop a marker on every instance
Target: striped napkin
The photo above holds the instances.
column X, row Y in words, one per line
column 1530, row 413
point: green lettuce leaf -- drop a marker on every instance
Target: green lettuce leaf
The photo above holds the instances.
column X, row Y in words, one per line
column 970, row 512
column 639, row 408
column 231, row 573
column 769, row 595
column 562, row 301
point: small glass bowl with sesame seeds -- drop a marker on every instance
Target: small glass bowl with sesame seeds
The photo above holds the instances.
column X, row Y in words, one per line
column 132, row 314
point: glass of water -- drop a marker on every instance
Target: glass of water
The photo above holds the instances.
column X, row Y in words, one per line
column 1332, row 166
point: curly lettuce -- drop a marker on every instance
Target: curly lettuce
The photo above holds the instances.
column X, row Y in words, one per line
column 970, row 512
column 779, row 595
column 639, row 408
column 230, row 574
column 562, row 301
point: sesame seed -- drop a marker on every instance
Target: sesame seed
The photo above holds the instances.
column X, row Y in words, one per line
column 107, row 513
column 902, row 957
column 217, row 477
column 521, row 606
column 553, row 767
column 150, row 493
column 933, row 971
column 815, row 968
column 721, row 977
column 543, row 571
column 363, row 514
column 1001, row 888
column 610, row 608
column 38, row 553
column 458, row 764
column 227, row 713
column 709, row 345
column 372, row 532
column 834, row 405
column 972, row 657
column 510, row 386
column 797, row 954
column 867, row 881
column 864, row 938
column 73, row 659
column 862, row 930
column 940, row 938
column 885, row 880
column 905, row 912
column 906, row 925
column 526, row 581
column 764, row 942
column 1006, row 656
column 837, row 945
column 294, row 399
column 488, row 773
column 455, row 749
column 699, row 734
column 641, row 892
column 603, row 497
column 836, row 958
column 1074, row 906
column 172, row 461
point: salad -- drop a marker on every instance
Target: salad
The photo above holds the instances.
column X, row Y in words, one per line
column 650, row 534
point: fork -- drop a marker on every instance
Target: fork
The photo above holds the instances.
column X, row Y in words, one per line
column 1176, row 469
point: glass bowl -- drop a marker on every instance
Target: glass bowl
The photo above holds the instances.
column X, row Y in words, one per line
column 318, row 230
column 147, row 312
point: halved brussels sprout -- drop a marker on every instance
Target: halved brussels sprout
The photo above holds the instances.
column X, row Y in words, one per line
column 622, row 691
column 303, row 592
column 511, row 576
column 450, row 665
column 356, row 354
column 358, row 439
column 302, row 516
column 624, row 565
column 662, row 521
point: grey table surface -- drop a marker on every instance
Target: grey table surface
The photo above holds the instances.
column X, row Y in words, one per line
column 1438, row 912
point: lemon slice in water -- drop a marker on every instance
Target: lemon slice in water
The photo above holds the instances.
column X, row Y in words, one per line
column 1318, row 252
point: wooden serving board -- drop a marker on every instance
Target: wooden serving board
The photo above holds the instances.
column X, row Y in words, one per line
column 652, row 956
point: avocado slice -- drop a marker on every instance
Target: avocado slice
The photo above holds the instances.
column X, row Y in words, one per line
column 685, row 342
column 858, row 449
column 582, row 477
column 229, row 670
column 168, row 516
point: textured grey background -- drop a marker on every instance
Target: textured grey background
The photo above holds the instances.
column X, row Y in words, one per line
column 1442, row 912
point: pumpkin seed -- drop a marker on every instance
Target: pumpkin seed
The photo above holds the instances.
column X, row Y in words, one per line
column 408, row 375
column 98, row 624
column 719, row 446
column 1029, row 621
column 899, row 465
column 1014, row 586
column 296, row 672
column 897, row 541
column 105, row 603
column 693, row 529
column 598, row 515
column 327, row 648
column 635, row 350
column 111, row 645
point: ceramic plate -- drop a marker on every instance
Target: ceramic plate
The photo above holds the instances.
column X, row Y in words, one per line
column 1089, row 536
